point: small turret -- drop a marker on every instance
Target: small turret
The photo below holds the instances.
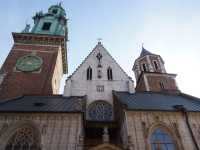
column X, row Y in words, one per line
column 148, row 62
column 151, row 75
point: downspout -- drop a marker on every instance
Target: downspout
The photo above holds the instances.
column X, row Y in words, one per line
column 190, row 129
column 185, row 113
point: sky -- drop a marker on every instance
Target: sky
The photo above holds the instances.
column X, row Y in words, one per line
column 170, row 28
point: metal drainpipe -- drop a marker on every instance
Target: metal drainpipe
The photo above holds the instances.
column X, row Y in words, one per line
column 190, row 129
column 185, row 113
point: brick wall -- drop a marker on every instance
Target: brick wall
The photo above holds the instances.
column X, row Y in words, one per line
column 18, row 83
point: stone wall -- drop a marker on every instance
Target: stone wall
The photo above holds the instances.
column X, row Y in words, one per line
column 140, row 125
column 56, row 131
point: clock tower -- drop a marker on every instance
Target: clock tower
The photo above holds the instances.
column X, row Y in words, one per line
column 38, row 58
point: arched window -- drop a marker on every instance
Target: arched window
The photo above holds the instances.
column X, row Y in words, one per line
column 161, row 140
column 89, row 73
column 109, row 74
column 155, row 65
column 24, row 138
column 144, row 67
column 162, row 85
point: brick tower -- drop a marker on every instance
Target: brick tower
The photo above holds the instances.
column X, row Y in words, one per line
column 151, row 75
column 38, row 58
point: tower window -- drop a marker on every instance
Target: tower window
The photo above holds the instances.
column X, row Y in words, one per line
column 46, row 26
column 89, row 73
column 144, row 68
column 155, row 65
column 55, row 11
column 109, row 74
column 162, row 85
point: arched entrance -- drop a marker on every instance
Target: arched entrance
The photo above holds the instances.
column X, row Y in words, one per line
column 106, row 147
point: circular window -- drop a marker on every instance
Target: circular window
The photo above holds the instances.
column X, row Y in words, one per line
column 100, row 111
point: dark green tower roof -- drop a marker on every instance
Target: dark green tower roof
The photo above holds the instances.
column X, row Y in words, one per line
column 54, row 22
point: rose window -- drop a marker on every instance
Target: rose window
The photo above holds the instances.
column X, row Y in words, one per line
column 100, row 111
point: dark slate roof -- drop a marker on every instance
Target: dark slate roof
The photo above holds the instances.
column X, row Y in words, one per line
column 145, row 52
column 54, row 103
column 157, row 101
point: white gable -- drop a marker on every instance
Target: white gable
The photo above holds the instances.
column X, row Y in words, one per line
column 78, row 85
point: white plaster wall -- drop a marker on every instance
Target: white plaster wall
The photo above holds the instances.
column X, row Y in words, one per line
column 78, row 85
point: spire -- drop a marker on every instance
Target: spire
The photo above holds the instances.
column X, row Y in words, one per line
column 99, row 40
column 144, row 52
column 60, row 3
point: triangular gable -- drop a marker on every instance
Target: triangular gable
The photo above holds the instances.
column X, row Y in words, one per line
column 99, row 45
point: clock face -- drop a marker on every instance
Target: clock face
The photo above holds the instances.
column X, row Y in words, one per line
column 29, row 63
column 100, row 111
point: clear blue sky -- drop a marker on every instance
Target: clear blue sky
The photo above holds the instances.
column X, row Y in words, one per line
column 170, row 28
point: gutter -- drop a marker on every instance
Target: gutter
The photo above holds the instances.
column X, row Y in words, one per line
column 185, row 113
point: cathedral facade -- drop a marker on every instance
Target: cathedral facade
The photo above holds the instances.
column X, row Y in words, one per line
column 101, row 107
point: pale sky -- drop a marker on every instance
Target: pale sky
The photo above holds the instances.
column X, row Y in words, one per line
column 170, row 28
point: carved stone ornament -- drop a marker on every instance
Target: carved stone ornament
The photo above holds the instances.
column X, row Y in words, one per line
column 99, row 57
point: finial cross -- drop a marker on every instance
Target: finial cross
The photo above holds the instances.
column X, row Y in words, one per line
column 99, row 56
column 142, row 44
column 60, row 3
column 99, row 39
